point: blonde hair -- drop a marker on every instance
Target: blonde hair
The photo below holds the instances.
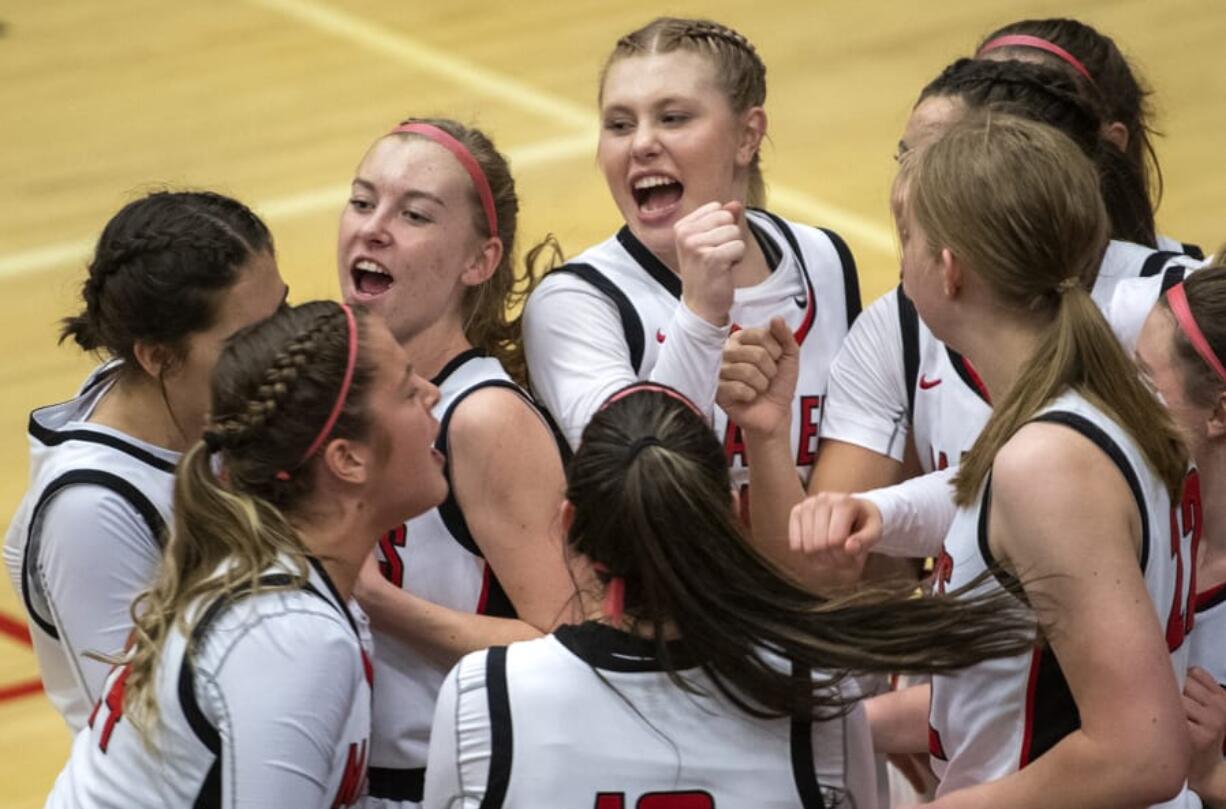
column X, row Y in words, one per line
column 738, row 68
column 1018, row 202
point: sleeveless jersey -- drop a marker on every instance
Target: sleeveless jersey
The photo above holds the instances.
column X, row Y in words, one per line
column 993, row 718
column 1209, row 640
column 948, row 403
column 814, row 287
column 77, row 586
column 225, row 735
column 435, row 557
column 587, row 717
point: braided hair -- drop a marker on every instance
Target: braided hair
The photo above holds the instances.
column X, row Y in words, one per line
column 1059, row 99
column 738, row 68
column 158, row 269
column 274, row 387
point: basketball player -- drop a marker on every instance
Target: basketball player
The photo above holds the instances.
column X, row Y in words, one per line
column 427, row 241
column 700, row 679
column 246, row 683
column 682, row 125
column 174, row 274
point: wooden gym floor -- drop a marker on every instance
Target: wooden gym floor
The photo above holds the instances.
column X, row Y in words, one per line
column 274, row 101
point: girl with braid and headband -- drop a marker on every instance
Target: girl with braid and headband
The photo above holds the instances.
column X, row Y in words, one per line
column 682, row 124
column 427, row 242
column 246, row 682
column 699, row 678
column 174, row 274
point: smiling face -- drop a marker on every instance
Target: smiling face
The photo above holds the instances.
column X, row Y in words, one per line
column 407, row 241
column 670, row 142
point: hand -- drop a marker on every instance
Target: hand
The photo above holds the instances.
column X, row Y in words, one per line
column 1205, row 704
column 710, row 242
column 836, row 529
column 757, row 378
column 369, row 583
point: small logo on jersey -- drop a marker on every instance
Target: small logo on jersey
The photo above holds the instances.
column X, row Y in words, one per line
column 928, row 384
column 659, row 336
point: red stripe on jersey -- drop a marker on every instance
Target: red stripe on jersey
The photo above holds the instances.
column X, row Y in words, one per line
column 1032, row 682
column 367, row 668
column 1211, row 597
column 974, row 375
column 483, row 601
column 935, row 748
column 810, row 314
column 15, row 629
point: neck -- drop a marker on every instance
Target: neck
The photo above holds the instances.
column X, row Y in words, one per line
column 999, row 347
column 435, row 346
column 1211, row 561
column 136, row 405
column 332, row 540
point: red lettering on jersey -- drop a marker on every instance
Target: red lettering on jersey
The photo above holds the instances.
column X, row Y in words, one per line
column 367, row 668
column 935, row 748
column 391, row 565
column 1185, row 523
column 943, row 570
column 610, row 800
column 938, row 461
column 114, row 709
column 353, row 781
column 806, row 447
column 694, row 799
column 743, row 505
column 734, row 444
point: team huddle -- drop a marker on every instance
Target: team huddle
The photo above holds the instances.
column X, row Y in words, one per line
column 672, row 524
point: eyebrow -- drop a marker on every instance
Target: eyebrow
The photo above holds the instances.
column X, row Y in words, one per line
column 412, row 193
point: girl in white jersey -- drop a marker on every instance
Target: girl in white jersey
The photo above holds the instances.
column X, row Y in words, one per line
column 427, row 241
column 700, row 679
column 1181, row 349
column 174, row 274
column 681, row 105
column 246, row 682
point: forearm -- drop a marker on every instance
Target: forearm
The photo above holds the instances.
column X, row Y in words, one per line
column 1211, row 786
column 915, row 514
column 441, row 633
column 899, row 720
column 690, row 358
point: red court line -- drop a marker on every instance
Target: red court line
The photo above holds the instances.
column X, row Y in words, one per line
column 19, row 690
column 15, row 629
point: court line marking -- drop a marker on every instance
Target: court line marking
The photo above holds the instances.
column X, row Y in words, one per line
column 15, row 629
column 27, row 688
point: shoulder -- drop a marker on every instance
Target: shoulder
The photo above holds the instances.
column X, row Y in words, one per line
column 1051, row 462
column 494, row 413
column 99, row 516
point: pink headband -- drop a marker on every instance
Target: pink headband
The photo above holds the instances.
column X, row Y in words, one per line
column 1027, row 41
column 648, row 386
column 341, row 396
column 1177, row 299
column 470, row 164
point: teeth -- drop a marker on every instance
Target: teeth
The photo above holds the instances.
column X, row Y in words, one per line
column 366, row 265
column 653, row 181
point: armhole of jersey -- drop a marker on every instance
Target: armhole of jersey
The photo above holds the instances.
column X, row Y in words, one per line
column 1155, row 262
column 851, row 277
column 632, row 324
column 804, row 767
column 1173, row 276
column 908, row 321
column 1193, row 251
column 1113, row 451
column 500, row 728
column 94, row 477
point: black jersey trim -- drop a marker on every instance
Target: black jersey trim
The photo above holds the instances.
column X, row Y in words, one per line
column 1003, row 577
column 604, row 647
column 53, row 438
column 1155, row 261
column 851, row 277
column 632, row 324
column 1193, row 251
column 965, row 374
column 93, row 477
column 1173, row 276
column 1208, row 599
column 804, row 768
column 1108, row 445
column 454, row 364
column 501, row 737
column 1051, row 711
column 392, row 784
column 908, row 322
column 648, row 261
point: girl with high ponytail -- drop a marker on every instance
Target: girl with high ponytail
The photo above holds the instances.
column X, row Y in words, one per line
column 700, row 677
column 245, row 656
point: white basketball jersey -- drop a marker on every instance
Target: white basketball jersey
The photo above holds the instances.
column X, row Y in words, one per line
column 950, row 404
column 587, row 717
column 67, row 451
column 996, row 717
column 813, row 286
column 433, row 556
column 198, row 757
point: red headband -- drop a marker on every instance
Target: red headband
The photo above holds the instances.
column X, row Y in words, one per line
column 470, row 164
column 1177, row 299
column 341, row 396
column 649, row 386
column 1027, row 41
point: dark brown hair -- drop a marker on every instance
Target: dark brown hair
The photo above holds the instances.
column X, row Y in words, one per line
column 1206, row 293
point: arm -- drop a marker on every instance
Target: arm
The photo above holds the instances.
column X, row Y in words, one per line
column 95, row 555
column 1100, row 622
column 455, row 779
column 899, row 720
column 1205, row 704
column 281, row 696
column 508, row 480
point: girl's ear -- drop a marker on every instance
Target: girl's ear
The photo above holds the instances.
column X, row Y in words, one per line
column 753, row 131
column 154, row 359
column 484, row 263
column 349, row 461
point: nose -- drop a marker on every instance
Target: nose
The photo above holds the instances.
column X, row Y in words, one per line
column 645, row 143
column 372, row 227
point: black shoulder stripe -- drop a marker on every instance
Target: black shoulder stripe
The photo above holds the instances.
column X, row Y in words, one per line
column 804, row 770
column 786, row 230
column 500, row 728
column 1108, row 445
column 908, row 321
column 53, row 438
column 851, row 277
column 632, row 324
column 1156, row 261
column 94, row 477
column 1173, row 276
column 1193, row 251
column 1006, row 579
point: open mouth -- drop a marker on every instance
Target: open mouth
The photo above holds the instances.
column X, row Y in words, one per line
column 370, row 278
column 656, row 193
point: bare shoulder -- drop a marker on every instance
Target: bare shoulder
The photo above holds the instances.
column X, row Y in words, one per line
column 1049, row 462
column 497, row 417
